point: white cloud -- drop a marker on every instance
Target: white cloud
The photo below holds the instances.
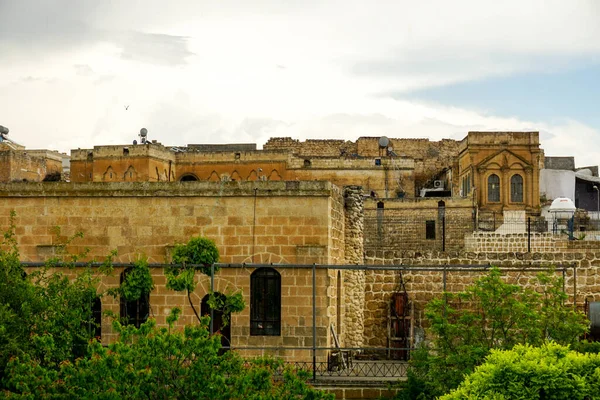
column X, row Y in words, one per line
column 195, row 72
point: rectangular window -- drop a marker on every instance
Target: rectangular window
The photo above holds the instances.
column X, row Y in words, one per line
column 429, row 229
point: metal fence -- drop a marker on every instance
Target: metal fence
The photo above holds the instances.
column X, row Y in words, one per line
column 361, row 363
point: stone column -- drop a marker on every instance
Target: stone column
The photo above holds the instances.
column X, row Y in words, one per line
column 354, row 281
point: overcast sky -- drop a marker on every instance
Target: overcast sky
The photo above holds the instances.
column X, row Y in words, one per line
column 225, row 71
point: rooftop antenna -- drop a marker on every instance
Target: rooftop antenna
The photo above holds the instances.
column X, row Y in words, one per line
column 143, row 136
column 4, row 134
column 383, row 142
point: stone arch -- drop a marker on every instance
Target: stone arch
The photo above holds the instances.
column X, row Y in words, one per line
column 235, row 176
column 109, row 175
column 266, row 258
column 274, row 176
column 130, row 174
column 214, row 177
column 252, row 176
column 189, row 177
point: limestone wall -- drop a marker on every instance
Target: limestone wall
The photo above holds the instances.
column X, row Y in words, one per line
column 401, row 224
column 261, row 222
column 582, row 278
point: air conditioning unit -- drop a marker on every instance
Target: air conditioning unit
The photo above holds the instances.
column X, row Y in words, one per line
column 438, row 184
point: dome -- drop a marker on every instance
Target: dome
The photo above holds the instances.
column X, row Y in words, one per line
column 562, row 204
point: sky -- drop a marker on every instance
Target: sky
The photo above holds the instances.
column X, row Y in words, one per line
column 80, row 73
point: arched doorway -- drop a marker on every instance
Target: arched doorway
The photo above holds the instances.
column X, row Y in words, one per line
column 225, row 331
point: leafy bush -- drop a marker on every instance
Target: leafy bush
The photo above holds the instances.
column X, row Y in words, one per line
column 199, row 254
column 158, row 363
column 551, row 371
column 490, row 314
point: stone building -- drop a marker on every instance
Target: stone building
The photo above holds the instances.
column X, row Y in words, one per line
column 501, row 170
column 276, row 212
column 20, row 165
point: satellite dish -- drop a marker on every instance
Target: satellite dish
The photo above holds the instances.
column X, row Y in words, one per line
column 143, row 132
column 384, row 141
column 135, row 142
column 390, row 149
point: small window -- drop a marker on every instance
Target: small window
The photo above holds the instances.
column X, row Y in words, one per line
column 516, row 189
column 378, row 161
column 307, row 163
column 429, row 229
column 125, row 151
column 95, row 327
column 493, row 189
column 380, row 204
column 237, row 156
column 134, row 312
column 265, row 302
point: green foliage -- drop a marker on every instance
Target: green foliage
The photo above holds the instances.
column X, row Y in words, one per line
column 199, row 251
column 199, row 254
column 490, row 314
column 155, row 363
column 137, row 281
column 45, row 315
column 551, row 371
column 227, row 304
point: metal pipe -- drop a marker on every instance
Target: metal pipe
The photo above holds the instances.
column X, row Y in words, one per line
column 212, row 292
column 314, row 320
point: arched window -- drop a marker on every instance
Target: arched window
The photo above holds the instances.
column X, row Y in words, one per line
column 188, row 178
column 134, row 312
column 218, row 325
column 493, row 189
column 516, row 189
column 265, row 302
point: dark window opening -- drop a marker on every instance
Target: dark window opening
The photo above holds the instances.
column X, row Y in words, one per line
column 493, row 189
column 380, row 204
column 265, row 302
column 516, row 189
column 429, row 229
column 218, row 322
column 307, row 163
column 95, row 326
column 188, row 178
column 125, row 151
column 237, row 156
column 377, row 161
column 134, row 312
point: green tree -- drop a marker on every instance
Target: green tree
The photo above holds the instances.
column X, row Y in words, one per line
column 490, row 314
column 200, row 254
column 551, row 371
column 158, row 363
column 44, row 314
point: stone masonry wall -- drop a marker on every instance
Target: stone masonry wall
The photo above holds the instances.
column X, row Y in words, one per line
column 582, row 279
column 255, row 222
column 354, row 281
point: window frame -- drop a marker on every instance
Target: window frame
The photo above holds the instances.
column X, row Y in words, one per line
column 265, row 308
column 491, row 191
column 518, row 186
column 139, row 306
column 430, row 230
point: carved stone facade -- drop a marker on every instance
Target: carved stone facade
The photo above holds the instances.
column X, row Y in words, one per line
column 501, row 170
